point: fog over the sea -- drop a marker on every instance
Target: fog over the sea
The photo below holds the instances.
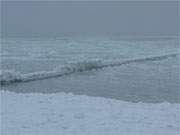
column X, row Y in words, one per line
column 43, row 18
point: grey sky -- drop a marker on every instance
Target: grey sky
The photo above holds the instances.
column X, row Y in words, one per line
column 54, row 18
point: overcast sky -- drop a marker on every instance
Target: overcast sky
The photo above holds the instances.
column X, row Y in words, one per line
column 55, row 18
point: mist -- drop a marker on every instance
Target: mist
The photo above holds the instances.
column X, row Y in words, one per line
column 43, row 18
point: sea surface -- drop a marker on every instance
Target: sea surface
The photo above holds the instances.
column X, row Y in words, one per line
column 129, row 69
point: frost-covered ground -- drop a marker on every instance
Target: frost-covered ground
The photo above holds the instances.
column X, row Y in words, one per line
column 68, row 114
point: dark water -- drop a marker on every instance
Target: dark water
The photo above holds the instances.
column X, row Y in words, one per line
column 151, row 81
column 135, row 83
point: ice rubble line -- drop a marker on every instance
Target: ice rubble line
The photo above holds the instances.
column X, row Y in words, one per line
column 8, row 77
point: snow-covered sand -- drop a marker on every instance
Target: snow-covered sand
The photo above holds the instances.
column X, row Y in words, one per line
column 68, row 114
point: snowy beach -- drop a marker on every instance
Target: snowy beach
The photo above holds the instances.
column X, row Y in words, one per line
column 68, row 114
column 82, row 67
column 129, row 89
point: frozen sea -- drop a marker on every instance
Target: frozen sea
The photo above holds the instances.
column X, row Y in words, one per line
column 129, row 76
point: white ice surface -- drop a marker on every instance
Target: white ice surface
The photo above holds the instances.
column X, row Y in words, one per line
column 68, row 114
